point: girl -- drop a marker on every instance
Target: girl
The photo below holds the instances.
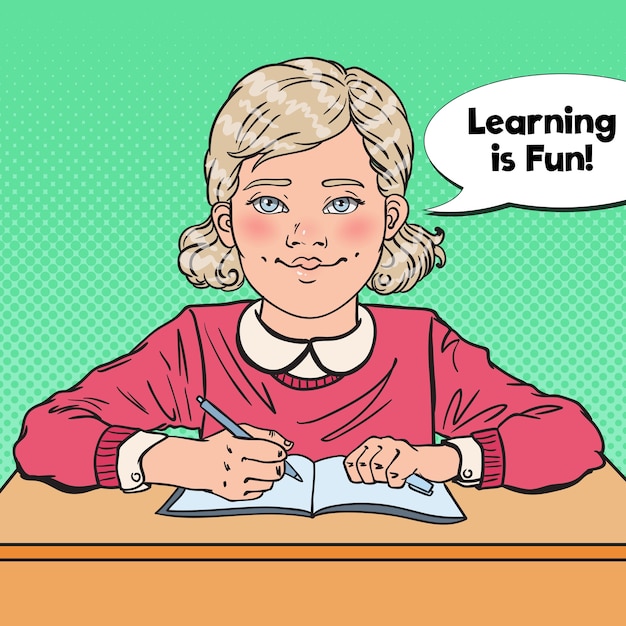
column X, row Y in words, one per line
column 306, row 172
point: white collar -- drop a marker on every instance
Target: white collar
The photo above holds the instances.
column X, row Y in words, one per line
column 269, row 351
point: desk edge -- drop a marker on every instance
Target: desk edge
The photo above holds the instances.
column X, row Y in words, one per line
column 313, row 552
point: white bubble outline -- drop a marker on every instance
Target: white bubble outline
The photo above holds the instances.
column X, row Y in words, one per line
column 506, row 205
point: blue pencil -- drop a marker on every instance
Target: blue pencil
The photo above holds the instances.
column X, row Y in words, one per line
column 417, row 483
column 234, row 429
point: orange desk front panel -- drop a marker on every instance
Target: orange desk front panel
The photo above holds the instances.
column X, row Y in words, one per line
column 104, row 557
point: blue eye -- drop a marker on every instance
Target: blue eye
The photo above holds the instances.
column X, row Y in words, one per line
column 268, row 204
column 342, row 205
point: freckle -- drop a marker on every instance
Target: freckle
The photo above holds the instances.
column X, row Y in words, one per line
column 356, row 255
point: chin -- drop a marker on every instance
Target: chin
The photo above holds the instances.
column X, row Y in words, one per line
column 311, row 306
column 308, row 310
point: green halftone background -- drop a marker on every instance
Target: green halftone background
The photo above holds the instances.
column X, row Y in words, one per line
column 104, row 117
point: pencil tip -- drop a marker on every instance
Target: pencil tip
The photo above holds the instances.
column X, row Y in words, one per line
column 298, row 478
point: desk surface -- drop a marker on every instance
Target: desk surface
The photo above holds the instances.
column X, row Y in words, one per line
column 584, row 521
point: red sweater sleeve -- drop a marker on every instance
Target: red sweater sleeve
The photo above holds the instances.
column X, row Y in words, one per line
column 529, row 440
column 72, row 439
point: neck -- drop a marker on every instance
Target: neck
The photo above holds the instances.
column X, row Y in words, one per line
column 338, row 322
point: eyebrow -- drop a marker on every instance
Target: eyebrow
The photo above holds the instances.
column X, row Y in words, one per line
column 334, row 182
column 276, row 182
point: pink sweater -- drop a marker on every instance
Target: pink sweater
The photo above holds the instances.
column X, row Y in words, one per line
column 421, row 378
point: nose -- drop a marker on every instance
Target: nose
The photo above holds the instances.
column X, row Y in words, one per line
column 305, row 235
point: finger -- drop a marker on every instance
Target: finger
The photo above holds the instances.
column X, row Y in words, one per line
column 351, row 461
column 251, row 485
column 399, row 470
column 234, row 495
column 268, row 435
column 349, row 464
column 258, row 470
column 363, row 464
column 256, row 449
column 248, row 489
column 251, row 495
column 380, row 462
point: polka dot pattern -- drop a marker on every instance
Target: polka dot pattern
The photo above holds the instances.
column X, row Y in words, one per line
column 103, row 126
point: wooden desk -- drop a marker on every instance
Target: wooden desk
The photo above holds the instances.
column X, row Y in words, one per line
column 532, row 556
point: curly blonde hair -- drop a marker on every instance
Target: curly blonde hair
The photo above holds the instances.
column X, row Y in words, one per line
column 294, row 106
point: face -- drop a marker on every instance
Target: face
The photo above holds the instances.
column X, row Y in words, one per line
column 309, row 226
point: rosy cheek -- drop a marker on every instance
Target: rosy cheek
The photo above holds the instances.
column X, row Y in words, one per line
column 255, row 231
column 359, row 232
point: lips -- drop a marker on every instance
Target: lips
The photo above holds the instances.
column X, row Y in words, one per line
column 309, row 263
column 306, row 263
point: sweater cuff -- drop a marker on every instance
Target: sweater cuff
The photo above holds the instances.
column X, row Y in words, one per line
column 129, row 457
column 471, row 470
column 493, row 457
column 106, row 455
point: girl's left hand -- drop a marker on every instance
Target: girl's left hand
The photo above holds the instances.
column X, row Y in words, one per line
column 392, row 461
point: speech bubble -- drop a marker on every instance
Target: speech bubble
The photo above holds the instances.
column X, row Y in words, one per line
column 550, row 141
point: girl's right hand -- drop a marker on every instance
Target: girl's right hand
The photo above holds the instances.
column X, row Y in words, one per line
column 236, row 469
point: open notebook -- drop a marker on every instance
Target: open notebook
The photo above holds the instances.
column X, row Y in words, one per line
column 325, row 488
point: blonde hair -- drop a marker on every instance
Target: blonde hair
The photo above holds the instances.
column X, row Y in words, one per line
column 294, row 106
